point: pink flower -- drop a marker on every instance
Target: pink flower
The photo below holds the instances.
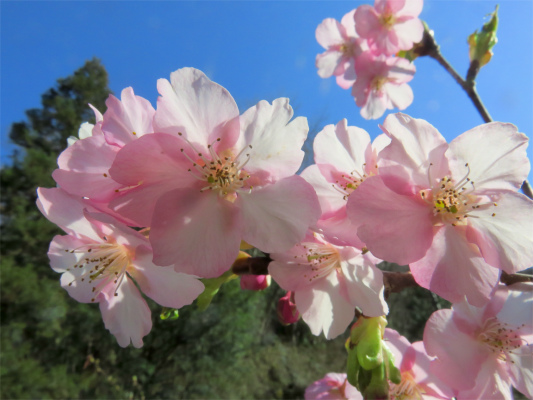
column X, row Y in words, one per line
column 481, row 352
column 84, row 166
column 255, row 282
column 344, row 158
column 329, row 282
column 342, row 46
column 213, row 178
column 450, row 211
column 100, row 257
column 413, row 362
column 333, row 386
column 287, row 311
column 390, row 26
column 381, row 84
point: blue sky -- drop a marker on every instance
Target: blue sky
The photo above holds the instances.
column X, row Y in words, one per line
column 257, row 50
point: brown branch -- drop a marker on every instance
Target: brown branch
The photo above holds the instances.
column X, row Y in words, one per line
column 430, row 48
column 394, row 282
column 509, row 279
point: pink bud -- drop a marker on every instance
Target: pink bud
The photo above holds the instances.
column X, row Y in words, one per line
column 287, row 311
column 255, row 282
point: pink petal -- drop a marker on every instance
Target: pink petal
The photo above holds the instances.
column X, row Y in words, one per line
column 505, row 238
column 415, row 144
column 457, row 365
column 454, row 268
column 123, row 118
column 194, row 105
column 277, row 216
column 330, row 199
column 489, row 384
column 162, row 284
column 495, row 153
column 520, row 369
column 198, row 232
column 84, row 169
column 342, row 146
column 392, row 6
column 276, row 142
column 398, row 345
column 395, row 228
column 364, row 286
column 324, row 309
column 411, row 8
column 375, row 105
column 366, row 20
column 153, row 158
column 408, row 32
column 126, row 315
column 328, row 62
column 348, row 23
column 138, row 204
column 66, row 211
column 340, row 230
column 401, row 96
column 330, row 33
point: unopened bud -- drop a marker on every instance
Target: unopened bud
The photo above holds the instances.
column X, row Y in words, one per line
column 287, row 311
column 255, row 282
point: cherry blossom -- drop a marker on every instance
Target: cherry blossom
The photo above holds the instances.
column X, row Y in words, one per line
column 329, row 282
column 214, row 178
column 449, row 211
column 390, row 26
column 344, row 157
column 342, row 46
column 332, row 386
column 417, row 382
column 101, row 259
column 482, row 351
column 381, row 84
column 84, row 165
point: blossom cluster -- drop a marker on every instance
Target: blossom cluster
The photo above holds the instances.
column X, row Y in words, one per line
column 467, row 353
column 158, row 199
column 360, row 53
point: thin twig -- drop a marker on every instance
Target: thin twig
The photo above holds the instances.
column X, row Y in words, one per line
column 431, row 49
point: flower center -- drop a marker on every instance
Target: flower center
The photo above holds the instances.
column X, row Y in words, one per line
column 453, row 202
column 347, row 183
column 321, row 258
column 407, row 389
column 387, row 19
column 101, row 264
column 223, row 172
column 378, row 82
column 347, row 49
column 500, row 338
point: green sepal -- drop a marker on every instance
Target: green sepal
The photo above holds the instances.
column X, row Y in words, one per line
column 378, row 388
column 212, row 286
column 169, row 313
column 353, row 368
column 481, row 44
column 393, row 373
column 367, row 335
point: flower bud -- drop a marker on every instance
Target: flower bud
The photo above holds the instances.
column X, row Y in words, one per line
column 255, row 282
column 287, row 311
column 481, row 44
